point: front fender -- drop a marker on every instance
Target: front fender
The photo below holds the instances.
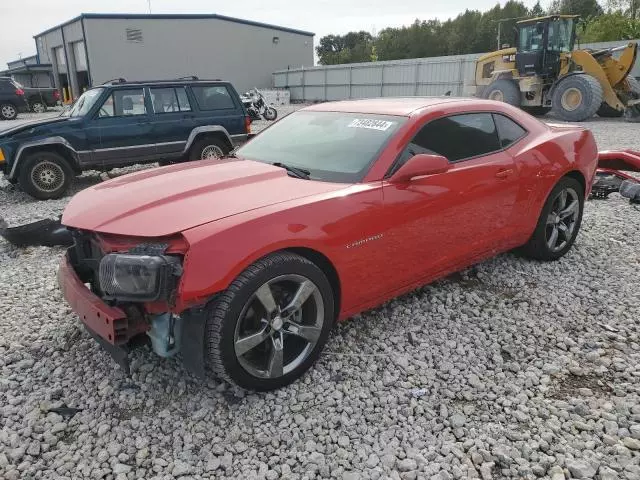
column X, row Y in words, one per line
column 219, row 253
column 23, row 149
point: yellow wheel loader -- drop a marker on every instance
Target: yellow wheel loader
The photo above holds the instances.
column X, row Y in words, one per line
column 543, row 72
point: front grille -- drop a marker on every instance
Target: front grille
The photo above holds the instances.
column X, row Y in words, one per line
column 85, row 256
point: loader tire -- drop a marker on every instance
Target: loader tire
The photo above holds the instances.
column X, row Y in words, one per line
column 577, row 98
column 632, row 114
column 537, row 111
column 503, row 90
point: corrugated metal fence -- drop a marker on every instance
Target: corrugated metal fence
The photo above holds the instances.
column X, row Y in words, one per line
column 418, row 76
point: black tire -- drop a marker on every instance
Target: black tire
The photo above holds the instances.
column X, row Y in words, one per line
column 607, row 111
column 632, row 113
column 206, row 144
column 537, row 111
column 270, row 114
column 503, row 90
column 37, row 106
column 225, row 314
column 538, row 245
column 45, row 175
column 8, row 111
column 577, row 98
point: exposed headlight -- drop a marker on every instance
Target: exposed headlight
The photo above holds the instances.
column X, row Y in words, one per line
column 138, row 277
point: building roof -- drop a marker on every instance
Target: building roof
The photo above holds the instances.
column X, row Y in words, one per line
column 154, row 16
column 29, row 68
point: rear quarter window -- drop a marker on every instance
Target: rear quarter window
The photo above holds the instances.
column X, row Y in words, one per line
column 213, row 97
column 508, row 130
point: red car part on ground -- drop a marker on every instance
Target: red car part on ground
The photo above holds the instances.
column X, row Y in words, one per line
column 263, row 243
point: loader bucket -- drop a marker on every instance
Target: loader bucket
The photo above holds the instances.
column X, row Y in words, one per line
column 632, row 112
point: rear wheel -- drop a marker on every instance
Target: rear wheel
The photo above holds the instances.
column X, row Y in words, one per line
column 559, row 222
column 271, row 324
column 503, row 90
column 577, row 98
column 45, row 175
column 8, row 111
column 208, row 147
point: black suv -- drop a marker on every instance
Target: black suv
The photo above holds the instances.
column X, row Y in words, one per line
column 123, row 123
column 12, row 99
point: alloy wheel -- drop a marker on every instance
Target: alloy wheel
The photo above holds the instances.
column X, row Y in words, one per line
column 211, row 151
column 279, row 326
column 562, row 219
column 47, row 176
column 8, row 111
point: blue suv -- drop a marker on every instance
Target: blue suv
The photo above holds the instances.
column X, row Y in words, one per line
column 123, row 123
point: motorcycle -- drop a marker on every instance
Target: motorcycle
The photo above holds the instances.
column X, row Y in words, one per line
column 254, row 102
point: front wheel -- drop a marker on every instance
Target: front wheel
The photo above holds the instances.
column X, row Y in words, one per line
column 37, row 106
column 559, row 222
column 270, row 114
column 270, row 325
column 577, row 98
column 45, row 175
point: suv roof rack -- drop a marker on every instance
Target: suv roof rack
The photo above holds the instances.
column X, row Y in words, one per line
column 193, row 78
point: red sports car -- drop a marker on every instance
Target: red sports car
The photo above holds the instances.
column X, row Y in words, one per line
column 243, row 265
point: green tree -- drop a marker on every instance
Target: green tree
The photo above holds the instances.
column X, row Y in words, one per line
column 610, row 27
column 537, row 10
column 584, row 8
column 630, row 8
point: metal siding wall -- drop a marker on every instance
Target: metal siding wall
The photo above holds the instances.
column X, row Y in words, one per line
column 209, row 48
column 417, row 76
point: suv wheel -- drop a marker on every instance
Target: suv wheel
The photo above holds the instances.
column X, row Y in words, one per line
column 8, row 111
column 45, row 175
column 38, row 107
column 208, row 147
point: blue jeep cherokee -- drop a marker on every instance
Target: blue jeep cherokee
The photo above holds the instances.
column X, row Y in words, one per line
column 123, row 123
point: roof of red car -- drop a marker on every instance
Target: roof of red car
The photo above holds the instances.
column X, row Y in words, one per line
column 385, row 106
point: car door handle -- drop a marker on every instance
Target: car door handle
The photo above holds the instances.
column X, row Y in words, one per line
column 504, row 172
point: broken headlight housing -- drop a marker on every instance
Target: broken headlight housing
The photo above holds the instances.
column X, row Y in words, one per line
column 138, row 277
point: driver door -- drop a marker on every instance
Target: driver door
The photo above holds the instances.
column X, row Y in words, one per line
column 125, row 129
column 445, row 221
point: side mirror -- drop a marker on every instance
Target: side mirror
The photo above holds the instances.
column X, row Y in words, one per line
column 419, row 166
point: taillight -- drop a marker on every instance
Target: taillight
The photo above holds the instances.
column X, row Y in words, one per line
column 56, row 95
column 20, row 92
column 247, row 124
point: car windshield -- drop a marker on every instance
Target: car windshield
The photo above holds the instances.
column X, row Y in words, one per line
column 332, row 146
column 83, row 104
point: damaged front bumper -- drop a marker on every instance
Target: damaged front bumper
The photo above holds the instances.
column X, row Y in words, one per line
column 114, row 328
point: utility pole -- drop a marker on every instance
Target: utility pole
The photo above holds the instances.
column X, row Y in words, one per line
column 149, row 2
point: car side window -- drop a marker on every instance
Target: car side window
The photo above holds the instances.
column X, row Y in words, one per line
column 508, row 130
column 213, row 97
column 169, row 100
column 457, row 137
column 121, row 103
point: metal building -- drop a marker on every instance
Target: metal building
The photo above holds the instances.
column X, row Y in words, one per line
column 93, row 48
column 29, row 72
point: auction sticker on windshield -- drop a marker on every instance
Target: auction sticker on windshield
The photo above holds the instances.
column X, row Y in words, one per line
column 381, row 125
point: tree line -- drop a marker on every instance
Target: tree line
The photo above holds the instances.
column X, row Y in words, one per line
column 476, row 32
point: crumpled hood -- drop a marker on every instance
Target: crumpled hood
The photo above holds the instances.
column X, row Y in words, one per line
column 29, row 125
column 164, row 201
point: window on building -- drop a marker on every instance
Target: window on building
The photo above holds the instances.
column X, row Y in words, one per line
column 122, row 103
column 169, row 100
column 213, row 97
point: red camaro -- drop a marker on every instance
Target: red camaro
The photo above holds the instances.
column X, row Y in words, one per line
column 243, row 265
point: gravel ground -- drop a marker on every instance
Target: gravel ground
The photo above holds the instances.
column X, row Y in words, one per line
column 512, row 369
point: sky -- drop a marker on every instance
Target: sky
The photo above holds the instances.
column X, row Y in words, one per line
column 23, row 19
